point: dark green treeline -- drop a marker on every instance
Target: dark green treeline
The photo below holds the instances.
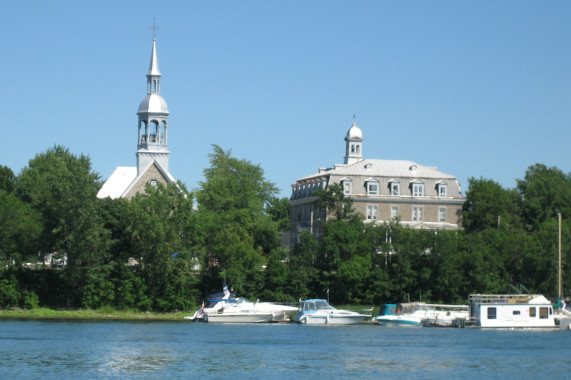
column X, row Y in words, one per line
column 61, row 246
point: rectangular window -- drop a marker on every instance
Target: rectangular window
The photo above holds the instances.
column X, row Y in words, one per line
column 372, row 212
column 347, row 187
column 417, row 189
column 394, row 212
column 395, row 189
column 491, row 313
column 442, row 191
column 372, row 188
column 543, row 313
column 417, row 214
column 442, row 214
column 532, row 312
column 516, row 312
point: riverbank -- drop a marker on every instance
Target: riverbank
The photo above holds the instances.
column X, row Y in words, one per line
column 104, row 313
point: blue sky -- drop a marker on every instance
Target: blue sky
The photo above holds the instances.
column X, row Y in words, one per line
column 476, row 88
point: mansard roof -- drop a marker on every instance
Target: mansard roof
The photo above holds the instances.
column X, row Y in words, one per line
column 383, row 168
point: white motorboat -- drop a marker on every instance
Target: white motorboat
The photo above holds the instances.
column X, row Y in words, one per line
column 239, row 317
column 421, row 314
column 225, row 308
column 510, row 311
column 404, row 314
column 319, row 312
column 445, row 315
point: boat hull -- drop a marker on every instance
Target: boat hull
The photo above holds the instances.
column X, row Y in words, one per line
column 331, row 320
column 239, row 318
column 399, row 321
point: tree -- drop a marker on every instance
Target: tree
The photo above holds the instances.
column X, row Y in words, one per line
column 334, row 202
column 545, row 192
column 63, row 188
column 7, row 179
column 237, row 232
column 162, row 228
column 20, row 229
column 489, row 205
column 278, row 209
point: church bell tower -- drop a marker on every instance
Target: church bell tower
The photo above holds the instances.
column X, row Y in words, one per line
column 153, row 116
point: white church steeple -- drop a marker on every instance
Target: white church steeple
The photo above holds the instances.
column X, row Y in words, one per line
column 153, row 115
column 354, row 145
column 152, row 143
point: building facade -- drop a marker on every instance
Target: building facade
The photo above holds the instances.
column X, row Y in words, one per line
column 382, row 191
column 152, row 143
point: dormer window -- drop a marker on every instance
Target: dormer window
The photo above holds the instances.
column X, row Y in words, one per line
column 372, row 187
column 347, row 187
column 418, row 189
column 442, row 190
column 395, row 188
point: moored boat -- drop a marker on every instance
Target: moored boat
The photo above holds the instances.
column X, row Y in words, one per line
column 445, row 315
column 510, row 311
column 403, row 314
column 319, row 312
column 226, row 308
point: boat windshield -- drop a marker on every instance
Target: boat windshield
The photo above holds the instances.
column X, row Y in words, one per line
column 316, row 305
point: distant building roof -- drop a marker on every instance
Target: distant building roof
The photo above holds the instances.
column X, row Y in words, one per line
column 384, row 168
column 119, row 181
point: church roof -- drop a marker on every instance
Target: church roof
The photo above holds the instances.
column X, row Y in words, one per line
column 384, row 168
column 116, row 185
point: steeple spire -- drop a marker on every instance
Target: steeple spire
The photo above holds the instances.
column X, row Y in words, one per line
column 154, row 65
column 153, row 119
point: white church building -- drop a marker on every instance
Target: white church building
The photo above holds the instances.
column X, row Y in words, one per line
column 152, row 143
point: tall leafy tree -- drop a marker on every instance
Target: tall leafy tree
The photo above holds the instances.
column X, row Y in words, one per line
column 545, row 192
column 278, row 209
column 489, row 205
column 7, row 179
column 63, row 188
column 334, row 202
column 20, row 229
column 237, row 231
column 162, row 228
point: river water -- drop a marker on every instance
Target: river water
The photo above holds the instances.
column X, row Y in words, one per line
column 159, row 350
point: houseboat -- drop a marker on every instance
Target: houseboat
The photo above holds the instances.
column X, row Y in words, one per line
column 510, row 311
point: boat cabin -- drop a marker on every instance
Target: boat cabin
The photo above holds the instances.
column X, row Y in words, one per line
column 510, row 311
column 313, row 305
column 402, row 308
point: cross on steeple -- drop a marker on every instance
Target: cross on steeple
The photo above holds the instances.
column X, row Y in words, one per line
column 154, row 27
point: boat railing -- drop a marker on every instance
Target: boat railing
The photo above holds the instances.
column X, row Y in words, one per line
column 500, row 298
column 446, row 307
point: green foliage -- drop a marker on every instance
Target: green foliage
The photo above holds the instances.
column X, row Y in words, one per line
column 545, row 192
column 63, row 189
column 9, row 292
column 20, row 229
column 162, row 231
column 489, row 205
column 334, row 202
column 143, row 254
column 99, row 290
column 235, row 229
column 31, row 300
column 279, row 210
column 7, row 179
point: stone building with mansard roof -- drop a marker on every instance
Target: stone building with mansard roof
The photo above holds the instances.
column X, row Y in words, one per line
column 152, row 143
column 382, row 191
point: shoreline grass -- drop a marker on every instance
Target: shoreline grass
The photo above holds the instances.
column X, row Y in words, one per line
column 87, row 314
